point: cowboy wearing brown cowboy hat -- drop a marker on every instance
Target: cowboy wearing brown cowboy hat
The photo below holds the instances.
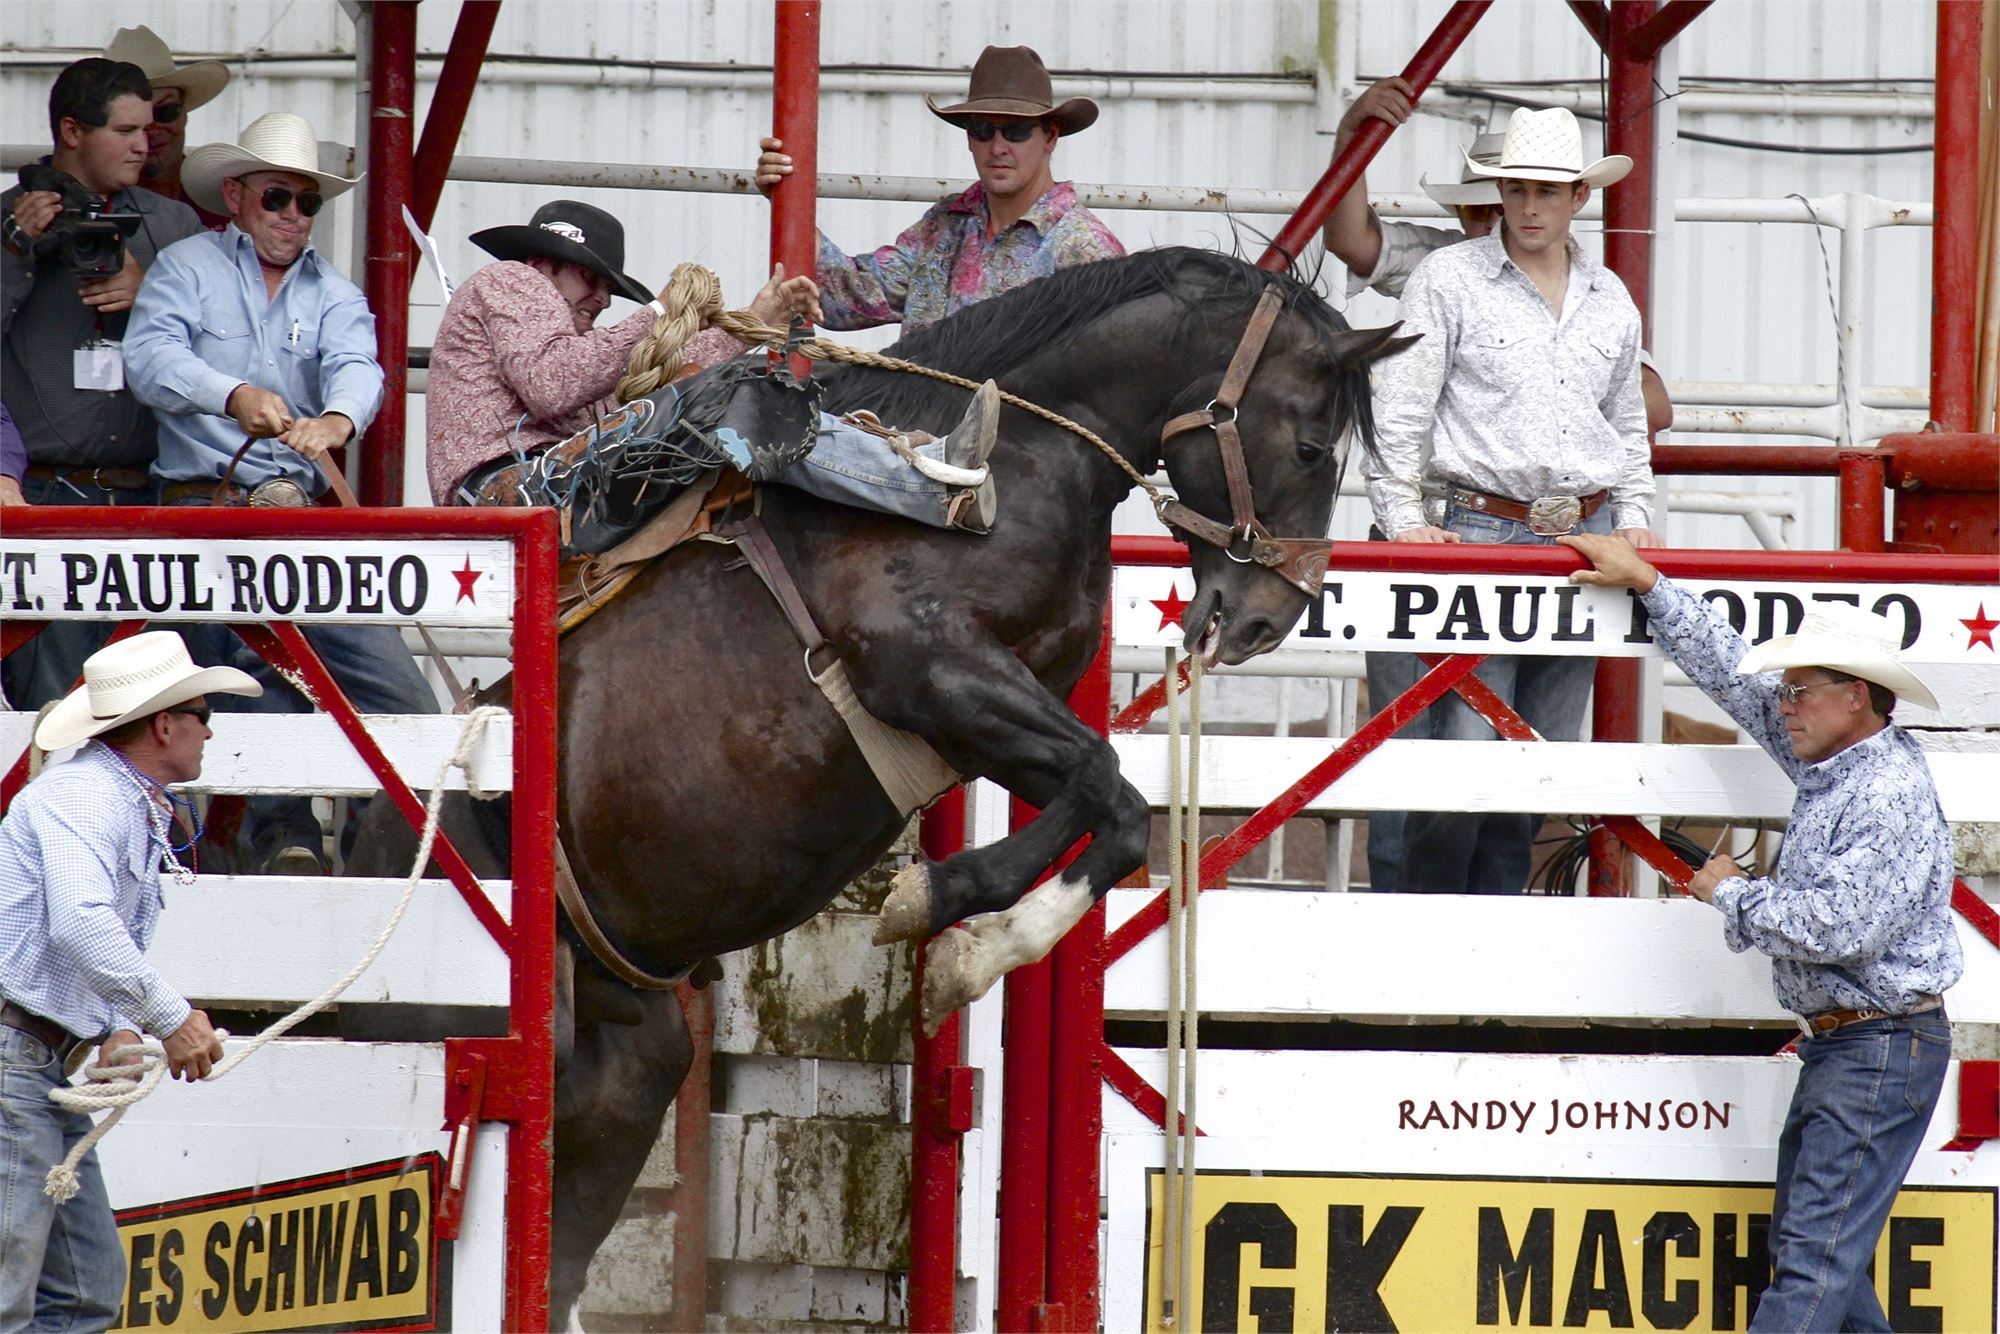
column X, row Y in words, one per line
column 177, row 90
column 1017, row 224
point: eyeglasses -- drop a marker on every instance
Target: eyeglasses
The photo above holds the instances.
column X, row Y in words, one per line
column 168, row 114
column 277, row 197
column 1791, row 694
column 201, row 713
column 1014, row 131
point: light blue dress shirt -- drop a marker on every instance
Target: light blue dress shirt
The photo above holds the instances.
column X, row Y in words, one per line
column 1858, row 914
column 202, row 325
column 80, row 854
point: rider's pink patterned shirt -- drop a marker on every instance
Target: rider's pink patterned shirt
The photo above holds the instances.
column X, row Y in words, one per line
column 947, row 262
column 509, row 370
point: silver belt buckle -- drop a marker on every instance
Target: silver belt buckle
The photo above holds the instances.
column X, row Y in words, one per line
column 279, row 493
column 1552, row 516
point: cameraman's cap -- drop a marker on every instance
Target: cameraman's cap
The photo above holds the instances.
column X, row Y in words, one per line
column 141, row 46
column 275, row 141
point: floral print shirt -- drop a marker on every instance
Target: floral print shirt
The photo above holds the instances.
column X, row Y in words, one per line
column 947, row 262
column 1858, row 915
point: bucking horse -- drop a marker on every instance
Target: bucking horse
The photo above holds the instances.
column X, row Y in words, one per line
column 710, row 798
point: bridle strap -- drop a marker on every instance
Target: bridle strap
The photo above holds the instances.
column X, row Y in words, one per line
column 1301, row 562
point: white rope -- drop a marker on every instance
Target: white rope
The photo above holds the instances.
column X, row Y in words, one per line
column 1183, row 1009
column 117, row 1087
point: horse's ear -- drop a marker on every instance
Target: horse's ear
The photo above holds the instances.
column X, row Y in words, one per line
column 1358, row 348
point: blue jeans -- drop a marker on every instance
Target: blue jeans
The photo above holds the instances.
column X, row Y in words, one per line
column 853, row 467
column 1863, row 1101
column 1491, row 853
column 47, row 666
column 370, row 665
column 62, row 1267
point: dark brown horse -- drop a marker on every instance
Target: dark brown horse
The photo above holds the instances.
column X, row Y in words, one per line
column 711, row 798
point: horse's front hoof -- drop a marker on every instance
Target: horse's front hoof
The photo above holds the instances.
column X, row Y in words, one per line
column 950, row 981
column 906, row 913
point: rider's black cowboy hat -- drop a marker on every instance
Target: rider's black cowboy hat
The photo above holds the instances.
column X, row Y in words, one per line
column 575, row 233
column 1012, row 81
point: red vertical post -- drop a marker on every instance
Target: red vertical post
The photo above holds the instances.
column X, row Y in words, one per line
column 1628, row 252
column 1955, row 195
column 1024, row 1138
column 449, row 102
column 795, row 120
column 692, row 1106
column 1863, row 508
column 392, row 87
column 936, row 1122
column 1076, row 1064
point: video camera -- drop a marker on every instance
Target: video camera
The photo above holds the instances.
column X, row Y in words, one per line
column 85, row 236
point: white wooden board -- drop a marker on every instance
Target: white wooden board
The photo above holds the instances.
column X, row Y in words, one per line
column 1553, row 777
column 1276, row 954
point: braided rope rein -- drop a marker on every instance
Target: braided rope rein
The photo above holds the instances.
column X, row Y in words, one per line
column 694, row 298
column 117, row 1087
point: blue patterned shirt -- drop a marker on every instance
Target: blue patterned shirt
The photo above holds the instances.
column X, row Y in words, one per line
column 80, row 853
column 202, row 325
column 1858, row 915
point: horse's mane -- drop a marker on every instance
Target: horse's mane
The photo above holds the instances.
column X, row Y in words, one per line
column 992, row 337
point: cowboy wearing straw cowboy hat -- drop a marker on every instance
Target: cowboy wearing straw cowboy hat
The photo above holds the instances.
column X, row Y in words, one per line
column 1523, row 406
column 259, row 358
column 1017, row 224
column 177, row 91
column 1857, row 920
column 82, row 850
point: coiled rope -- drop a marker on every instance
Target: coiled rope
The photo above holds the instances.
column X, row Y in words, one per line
column 117, row 1087
column 1183, row 1008
column 694, row 298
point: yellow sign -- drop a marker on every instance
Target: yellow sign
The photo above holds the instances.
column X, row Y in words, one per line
column 345, row 1250
column 1286, row 1251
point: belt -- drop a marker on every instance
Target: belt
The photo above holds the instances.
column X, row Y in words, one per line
column 1529, row 512
column 105, row 479
column 1828, row 1021
column 45, row 1031
column 281, row 493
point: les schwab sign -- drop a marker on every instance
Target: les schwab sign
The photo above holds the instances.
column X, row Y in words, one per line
column 1299, row 1250
column 345, row 1250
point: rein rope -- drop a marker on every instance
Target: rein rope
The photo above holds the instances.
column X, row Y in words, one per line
column 117, row 1087
column 1183, row 1009
column 694, row 298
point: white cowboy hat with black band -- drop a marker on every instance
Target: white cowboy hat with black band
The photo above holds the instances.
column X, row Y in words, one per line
column 1470, row 189
column 275, row 141
column 1548, row 146
column 1010, row 82
column 574, row 233
column 199, row 82
column 1843, row 639
column 130, row 679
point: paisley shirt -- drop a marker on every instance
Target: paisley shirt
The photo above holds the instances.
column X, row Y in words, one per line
column 946, row 262
column 1859, row 913
column 1512, row 399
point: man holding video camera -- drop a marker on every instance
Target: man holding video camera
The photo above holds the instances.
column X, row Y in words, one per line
column 78, row 236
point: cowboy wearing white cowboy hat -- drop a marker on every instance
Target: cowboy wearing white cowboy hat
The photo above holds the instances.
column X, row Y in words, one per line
column 1522, row 409
column 1857, row 919
column 1017, row 224
column 258, row 357
column 82, row 850
column 177, row 90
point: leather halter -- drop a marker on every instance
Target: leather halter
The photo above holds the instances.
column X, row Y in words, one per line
column 1299, row 561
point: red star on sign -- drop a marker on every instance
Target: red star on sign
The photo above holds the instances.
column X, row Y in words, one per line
column 1171, row 607
column 467, row 577
column 1981, row 627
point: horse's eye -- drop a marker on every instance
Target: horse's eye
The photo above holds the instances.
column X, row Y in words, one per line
column 1310, row 453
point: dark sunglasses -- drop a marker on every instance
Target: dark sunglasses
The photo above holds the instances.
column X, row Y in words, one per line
column 168, row 114
column 276, row 197
column 201, row 713
column 1014, row 131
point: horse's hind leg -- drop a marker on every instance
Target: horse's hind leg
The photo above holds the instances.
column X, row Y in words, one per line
column 610, row 1101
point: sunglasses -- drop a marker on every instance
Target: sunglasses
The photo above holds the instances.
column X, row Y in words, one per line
column 1014, row 131
column 168, row 114
column 277, row 197
column 201, row 713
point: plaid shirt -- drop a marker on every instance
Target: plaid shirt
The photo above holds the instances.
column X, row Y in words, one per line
column 80, row 854
column 947, row 262
column 1857, row 915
